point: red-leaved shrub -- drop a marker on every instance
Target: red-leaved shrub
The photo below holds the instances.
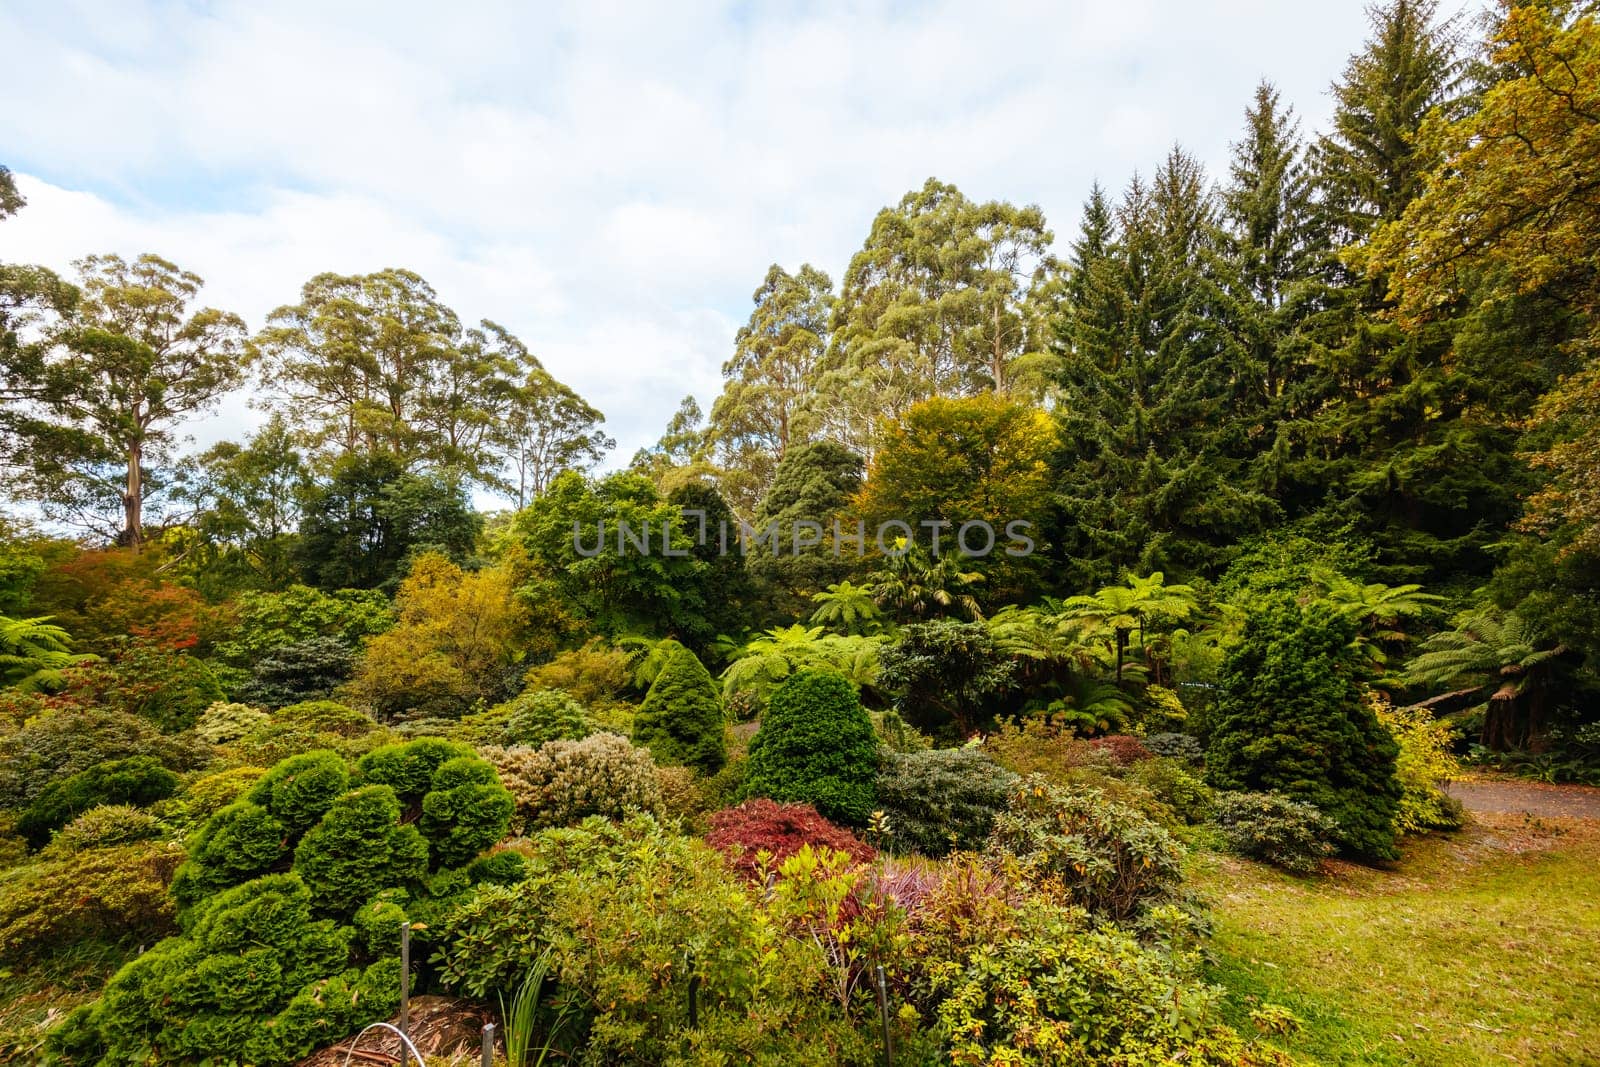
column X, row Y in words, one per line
column 1124, row 748
column 762, row 825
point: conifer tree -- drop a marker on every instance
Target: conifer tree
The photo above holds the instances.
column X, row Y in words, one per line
column 1148, row 373
column 680, row 721
column 1291, row 719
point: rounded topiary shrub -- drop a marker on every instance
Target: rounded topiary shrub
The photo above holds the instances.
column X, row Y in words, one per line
column 681, row 719
column 561, row 783
column 942, row 799
column 417, row 807
column 137, row 780
column 816, row 746
column 258, row 979
column 541, row 715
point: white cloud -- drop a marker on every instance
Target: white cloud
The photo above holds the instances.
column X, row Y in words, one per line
column 608, row 181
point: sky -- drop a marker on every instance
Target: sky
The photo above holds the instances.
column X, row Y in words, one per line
column 608, row 181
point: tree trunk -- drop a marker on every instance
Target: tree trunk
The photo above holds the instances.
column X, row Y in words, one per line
column 133, row 500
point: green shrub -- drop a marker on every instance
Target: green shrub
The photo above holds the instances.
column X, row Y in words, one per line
column 1185, row 747
column 104, row 827
column 68, row 740
column 564, row 782
column 1172, row 785
column 540, row 715
column 1275, row 829
column 816, row 746
column 1059, row 991
column 107, row 892
column 615, row 902
column 358, row 846
column 1107, row 857
column 300, row 789
column 408, row 767
column 351, row 843
column 236, row 844
column 207, row 795
column 1291, row 719
column 169, row 688
column 465, row 811
column 681, row 719
column 326, row 717
column 223, row 722
column 258, row 979
column 138, row 780
column 939, row 800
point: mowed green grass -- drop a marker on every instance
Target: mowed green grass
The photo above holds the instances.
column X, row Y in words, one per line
column 1478, row 947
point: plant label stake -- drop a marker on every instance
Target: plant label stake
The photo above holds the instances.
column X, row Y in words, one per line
column 883, row 1013
column 405, row 987
column 488, row 1045
column 694, row 991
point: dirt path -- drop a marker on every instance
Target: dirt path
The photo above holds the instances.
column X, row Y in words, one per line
column 1534, row 798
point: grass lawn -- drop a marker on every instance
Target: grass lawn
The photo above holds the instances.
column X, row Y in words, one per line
column 1478, row 947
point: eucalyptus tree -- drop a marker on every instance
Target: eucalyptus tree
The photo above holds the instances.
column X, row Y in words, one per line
column 126, row 370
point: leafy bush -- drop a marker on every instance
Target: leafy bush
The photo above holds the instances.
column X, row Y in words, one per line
column 223, row 722
column 816, row 746
column 937, row 800
column 326, row 717
column 1059, row 991
column 1172, row 785
column 137, row 780
column 104, row 827
column 1044, row 746
column 762, row 825
column 1424, row 763
column 1291, row 719
column 1275, row 829
column 593, row 674
column 1124, row 749
column 1163, row 711
column 205, row 796
column 681, row 719
column 949, row 675
column 539, row 715
column 357, row 846
column 614, row 902
column 409, row 767
column 258, row 979
column 562, row 783
column 113, row 893
column 169, row 688
column 1177, row 746
column 1106, row 857
column 71, row 739
column 306, row 670
column 301, row 789
column 683, row 794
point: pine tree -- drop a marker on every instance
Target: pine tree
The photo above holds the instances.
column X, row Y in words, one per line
column 1273, row 252
column 680, row 721
column 1148, row 373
